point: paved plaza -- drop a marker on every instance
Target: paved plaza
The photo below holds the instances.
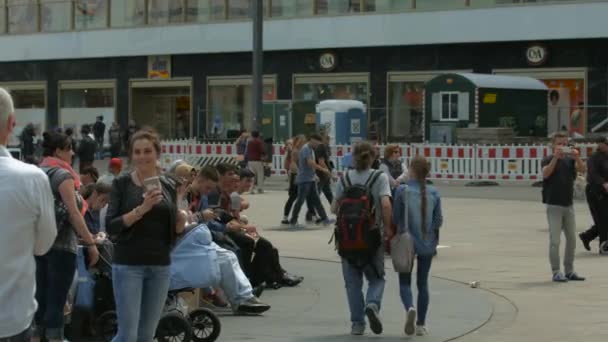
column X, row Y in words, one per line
column 503, row 244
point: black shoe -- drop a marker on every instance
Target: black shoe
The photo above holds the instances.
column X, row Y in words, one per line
column 585, row 241
column 291, row 280
column 574, row 277
column 253, row 306
column 258, row 290
column 285, row 222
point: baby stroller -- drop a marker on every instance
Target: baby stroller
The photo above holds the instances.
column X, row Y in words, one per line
column 193, row 266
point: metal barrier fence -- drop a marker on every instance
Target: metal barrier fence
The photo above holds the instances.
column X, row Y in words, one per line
column 449, row 162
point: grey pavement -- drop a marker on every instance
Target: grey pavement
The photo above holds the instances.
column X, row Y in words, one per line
column 503, row 244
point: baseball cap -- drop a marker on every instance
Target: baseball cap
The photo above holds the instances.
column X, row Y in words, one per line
column 116, row 163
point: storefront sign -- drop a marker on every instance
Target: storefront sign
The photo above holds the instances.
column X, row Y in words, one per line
column 310, row 119
column 159, row 67
column 537, row 54
column 489, row 98
column 328, row 61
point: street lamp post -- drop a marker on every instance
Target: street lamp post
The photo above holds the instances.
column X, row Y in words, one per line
column 258, row 62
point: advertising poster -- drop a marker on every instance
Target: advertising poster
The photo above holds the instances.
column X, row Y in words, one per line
column 567, row 106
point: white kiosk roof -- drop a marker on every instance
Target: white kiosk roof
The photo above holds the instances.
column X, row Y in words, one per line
column 504, row 82
column 340, row 105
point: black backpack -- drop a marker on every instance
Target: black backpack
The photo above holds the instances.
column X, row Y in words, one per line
column 357, row 235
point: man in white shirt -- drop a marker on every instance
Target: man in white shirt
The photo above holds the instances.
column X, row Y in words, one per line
column 28, row 228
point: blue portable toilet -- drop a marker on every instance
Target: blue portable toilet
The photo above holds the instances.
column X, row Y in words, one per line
column 344, row 120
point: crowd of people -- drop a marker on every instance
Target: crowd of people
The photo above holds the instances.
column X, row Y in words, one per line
column 382, row 206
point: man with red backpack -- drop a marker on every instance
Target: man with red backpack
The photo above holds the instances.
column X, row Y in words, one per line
column 363, row 208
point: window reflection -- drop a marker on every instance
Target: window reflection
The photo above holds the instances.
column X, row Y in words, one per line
column 205, row 10
column 55, row 16
column 338, row 6
column 165, row 11
column 439, row 4
column 329, row 90
column 292, row 8
column 22, row 16
column 127, row 13
column 239, row 9
column 405, row 111
column 90, row 14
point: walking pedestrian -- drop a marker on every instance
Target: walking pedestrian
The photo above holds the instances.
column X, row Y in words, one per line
column 143, row 217
column 597, row 197
column 255, row 160
column 421, row 205
column 371, row 263
column 291, row 165
column 28, row 229
column 99, row 132
column 559, row 172
column 305, row 181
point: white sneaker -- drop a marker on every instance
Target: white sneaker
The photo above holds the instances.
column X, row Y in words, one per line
column 410, row 322
column 421, row 330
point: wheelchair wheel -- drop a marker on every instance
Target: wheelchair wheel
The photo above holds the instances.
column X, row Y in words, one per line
column 205, row 324
column 107, row 326
column 173, row 328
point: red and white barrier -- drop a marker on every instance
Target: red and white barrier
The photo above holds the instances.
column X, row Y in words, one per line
column 448, row 162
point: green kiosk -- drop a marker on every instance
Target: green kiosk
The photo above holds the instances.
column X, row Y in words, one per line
column 480, row 100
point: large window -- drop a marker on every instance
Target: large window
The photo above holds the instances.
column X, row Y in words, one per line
column 165, row 11
column 55, row 15
column 449, row 106
column 205, row 10
column 239, row 9
column 331, row 86
column 439, row 4
column 292, row 8
column 22, row 16
column 126, row 13
column 81, row 103
column 405, row 112
column 30, row 108
column 230, row 104
column 90, row 14
column 338, row 6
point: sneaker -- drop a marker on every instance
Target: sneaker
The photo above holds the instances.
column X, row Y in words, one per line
column 371, row 310
column 296, row 226
column 559, row 278
column 326, row 222
column 574, row 277
column 252, row 306
column 410, row 322
column 421, row 330
column 357, row 329
column 285, row 221
column 585, row 242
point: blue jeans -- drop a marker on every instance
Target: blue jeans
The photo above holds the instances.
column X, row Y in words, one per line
column 140, row 293
column 54, row 276
column 305, row 190
column 422, row 282
column 353, row 280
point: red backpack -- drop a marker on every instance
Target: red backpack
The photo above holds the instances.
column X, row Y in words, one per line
column 357, row 234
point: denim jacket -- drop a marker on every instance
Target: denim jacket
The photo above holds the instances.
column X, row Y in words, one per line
column 212, row 225
column 434, row 216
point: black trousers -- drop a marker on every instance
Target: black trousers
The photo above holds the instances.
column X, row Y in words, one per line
column 260, row 259
column 598, row 207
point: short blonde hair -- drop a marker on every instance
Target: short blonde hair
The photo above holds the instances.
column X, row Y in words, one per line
column 6, row 106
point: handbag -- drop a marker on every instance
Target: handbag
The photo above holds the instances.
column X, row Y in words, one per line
column 402, row 245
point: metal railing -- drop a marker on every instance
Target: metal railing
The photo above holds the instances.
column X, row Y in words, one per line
column 32, row 16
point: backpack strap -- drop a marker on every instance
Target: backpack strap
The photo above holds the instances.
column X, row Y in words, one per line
column 372, row 179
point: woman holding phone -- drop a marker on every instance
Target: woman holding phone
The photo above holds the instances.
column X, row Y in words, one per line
column 144, row 220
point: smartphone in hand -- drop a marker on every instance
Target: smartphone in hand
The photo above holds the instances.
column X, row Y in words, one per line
column 152, row 183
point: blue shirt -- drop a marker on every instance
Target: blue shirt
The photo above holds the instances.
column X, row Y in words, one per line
column 212, row 225
column 91, row 218
column 347, row 161
column 434, row 216
column 305, row 172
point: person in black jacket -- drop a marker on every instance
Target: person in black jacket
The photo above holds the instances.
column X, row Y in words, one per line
column 27, row 143
column 144, row 221
column 86, row 148
column 99, row 131
column 597, row 197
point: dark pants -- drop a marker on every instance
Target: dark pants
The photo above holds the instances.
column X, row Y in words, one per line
column 304, row 190
column 22, row 337
column 293, row 196
column 54, row 275
column 598, row 202
column 260, row 259
column 115, row 150
column 323, row 187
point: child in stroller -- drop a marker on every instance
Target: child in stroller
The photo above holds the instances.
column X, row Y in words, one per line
column 94, row 312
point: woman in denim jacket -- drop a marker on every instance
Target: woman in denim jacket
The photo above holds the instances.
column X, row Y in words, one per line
column 424, row 220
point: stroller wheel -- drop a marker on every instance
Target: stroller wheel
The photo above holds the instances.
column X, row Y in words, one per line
column 173, row 328
column 107, row 326
column 205, row 324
